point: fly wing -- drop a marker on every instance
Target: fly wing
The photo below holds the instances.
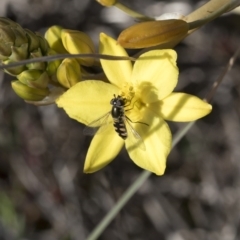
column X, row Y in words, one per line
column 134, row 136
column 97, row 126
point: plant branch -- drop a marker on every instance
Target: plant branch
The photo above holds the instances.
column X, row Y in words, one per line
column 208, row 12
column 219, row 80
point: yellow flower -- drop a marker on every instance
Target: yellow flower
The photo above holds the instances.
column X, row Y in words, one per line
column 147, row 87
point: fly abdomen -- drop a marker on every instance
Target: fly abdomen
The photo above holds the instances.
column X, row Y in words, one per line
column 120, row 127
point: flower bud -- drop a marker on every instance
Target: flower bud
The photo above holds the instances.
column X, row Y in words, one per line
column 53, row 37
column 107, row 3
column 12, row 30
column 33, row 40
column 43, row 44
column 36, row 65
column 19, row 53
column 69, row 72
column 14, row 71
column 6, row 42
column 34, row 78
column 28, row 93
column 6, row 22
column 54, row 94
column 11, row 34
column 76, row 42
column 20, row 36
column 152, row 33
column 52, row 66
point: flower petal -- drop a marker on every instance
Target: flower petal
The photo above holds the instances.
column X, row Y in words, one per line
column 157, row 140
column 88, row 100
column 182, row 107
column 157, row 75
column 117, row 72
column 103, row 149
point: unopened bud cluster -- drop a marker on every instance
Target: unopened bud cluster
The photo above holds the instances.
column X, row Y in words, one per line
column 72, row 42
column 34, row 80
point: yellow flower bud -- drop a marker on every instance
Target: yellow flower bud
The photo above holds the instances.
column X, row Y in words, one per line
column 53, row 37
column 152, row 33
column 107, row 3
column 69, row 72
column 34, row 78
column 78, row 42
column 28, row 93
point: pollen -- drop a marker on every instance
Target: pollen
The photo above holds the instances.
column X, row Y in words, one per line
column 127, row 92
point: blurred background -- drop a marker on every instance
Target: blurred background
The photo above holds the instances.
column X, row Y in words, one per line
column 44, row 193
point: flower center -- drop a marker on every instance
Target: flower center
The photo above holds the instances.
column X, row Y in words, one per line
column 132, row 102
column 127, row 92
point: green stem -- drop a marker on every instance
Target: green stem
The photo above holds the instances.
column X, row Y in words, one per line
column 209, row 11
column 63, row 56
column 198, row 18
column 119, row 205
column 131, row 191
column 132, row 13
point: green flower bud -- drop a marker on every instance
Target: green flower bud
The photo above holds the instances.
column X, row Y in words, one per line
column 33, row 40
column 11, row 34
column 34, row 78
column 28, row 93
column 52, row 66
column 7, row 39
column 7, row 22
column 20, row 35
column 153, row 33
column 5, row 50
column 78, row 42
column 19, row 53
column 69, row 72
column 53, row 37
column 36, row 65
column 43, row 44
column 14, row 71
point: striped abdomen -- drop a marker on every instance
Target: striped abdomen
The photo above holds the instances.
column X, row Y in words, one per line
column 120, row 127
column 118, row 121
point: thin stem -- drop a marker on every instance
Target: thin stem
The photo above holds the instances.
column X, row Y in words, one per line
column 219, row 80
column 63, row 56
column 119, row 205
column 198, row 18
column 132, row 13
column 209, row 11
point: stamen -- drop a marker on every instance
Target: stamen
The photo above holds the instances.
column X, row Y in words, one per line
column 127, row 92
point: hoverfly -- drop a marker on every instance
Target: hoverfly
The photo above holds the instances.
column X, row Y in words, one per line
column 121, row 123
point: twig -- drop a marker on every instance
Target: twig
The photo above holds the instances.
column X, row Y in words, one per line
column 219, row 80
column 63, row 56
